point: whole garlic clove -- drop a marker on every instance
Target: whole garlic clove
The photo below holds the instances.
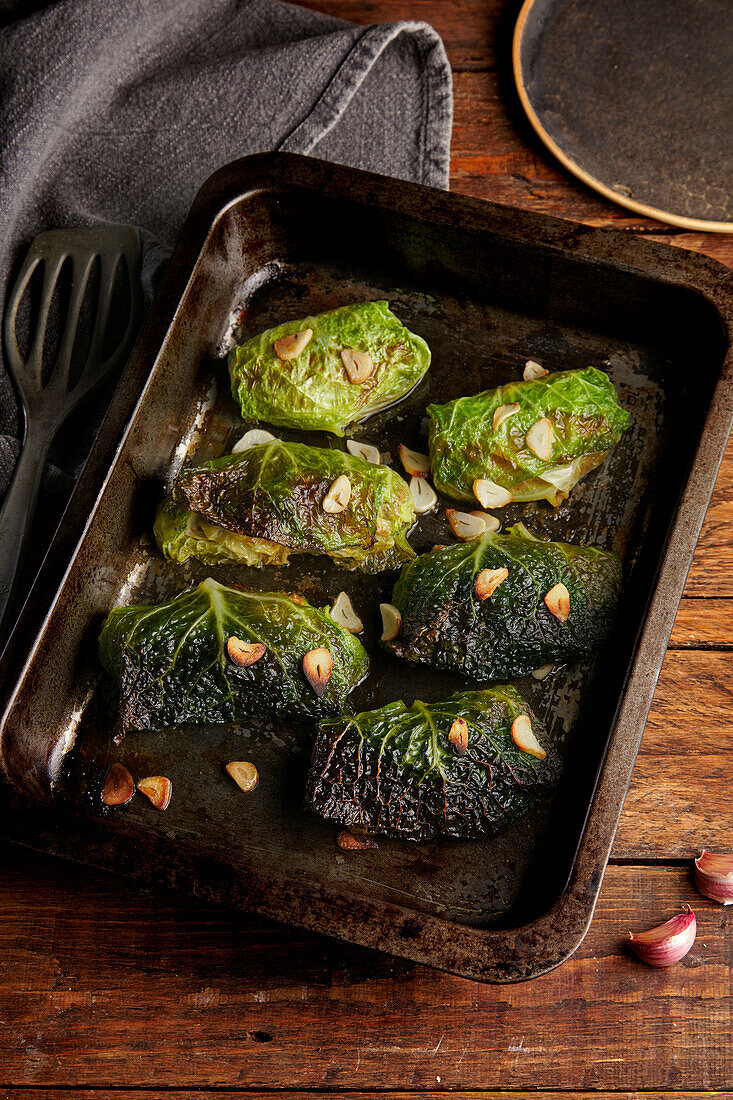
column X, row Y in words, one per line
column 423, row 495
column 491, row 495
column 714, row 876
column 364, row 450
column 244, row 774
column 666, row 944
column 391, row 621
column 343, row 614
column 255, row 437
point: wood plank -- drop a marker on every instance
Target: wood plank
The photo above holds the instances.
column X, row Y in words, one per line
column 344, row 1094
column 704, row 624
column 107, row 984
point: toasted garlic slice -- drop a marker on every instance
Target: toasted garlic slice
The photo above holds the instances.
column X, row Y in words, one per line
column 342, row 612
column 543, row 672
column 491, row 495
column 290, row 347
column 458, row 736
column 557, row 602
column 253, row 438
column 244, row 654
column 423, row 495
column 490, row 522
column 244, row 774
column 524, row 738
column 348, row 842
column 318, row 666
column 364, row 450
column 416, row 464
column 338, row 496
column 465, row 525
column 119, row 786
column 503, row 413
column 391, row 621
column 539, row 439
column 158, row 789
column 359, row 365
column 487, row 582
column 666, row 944
column 533, row 371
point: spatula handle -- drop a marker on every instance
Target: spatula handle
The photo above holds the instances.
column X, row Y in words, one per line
column 15, row 519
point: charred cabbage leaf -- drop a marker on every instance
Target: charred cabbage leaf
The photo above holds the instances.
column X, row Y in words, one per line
column 314, row 389
column 512, row 631
column 172, row 661
column 266, row 503
column 585, row 422
column 396, row 771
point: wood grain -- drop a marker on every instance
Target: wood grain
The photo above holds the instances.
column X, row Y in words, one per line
column 106, row 984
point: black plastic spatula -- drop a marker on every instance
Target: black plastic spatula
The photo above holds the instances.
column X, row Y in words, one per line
column 50, row 393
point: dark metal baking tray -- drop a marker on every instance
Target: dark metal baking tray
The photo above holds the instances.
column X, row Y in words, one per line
column 272, row 237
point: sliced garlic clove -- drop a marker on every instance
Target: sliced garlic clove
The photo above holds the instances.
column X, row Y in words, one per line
column 524, row 738
column 539, row 439
column 255, row 437
column 158, row 789
column 343, row 614
column 245, row 654
column 543, row 672
column 714, row 876
column 318, row 666
column 348, row 842
column 391, row 621
column 491, row 523
column 491, row 495
column 557, row 602
column 416, row 464
column 244, row 774
column 358, row 364
column 465, row 525
column 487, row 582
column 423, row 495
column 364, row 450
column 119, row 786
column 503, row 413
column 533, row 371
column 666, row 944
column 338, row 496
column 458, row 736
column 290, row 347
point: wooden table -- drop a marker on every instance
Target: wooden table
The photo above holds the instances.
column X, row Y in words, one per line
column 106, row 985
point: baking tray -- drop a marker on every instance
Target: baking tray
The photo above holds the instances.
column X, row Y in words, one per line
column 277, row 236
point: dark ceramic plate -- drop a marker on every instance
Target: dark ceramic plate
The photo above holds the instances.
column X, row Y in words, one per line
column 280, row 236
column 635, row 97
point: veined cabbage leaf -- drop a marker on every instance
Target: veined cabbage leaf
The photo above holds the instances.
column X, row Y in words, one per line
column 172, row 664
column 313, row 390
column 266, row 503
column 395, row 771
column 586, row 421
column 445, row 624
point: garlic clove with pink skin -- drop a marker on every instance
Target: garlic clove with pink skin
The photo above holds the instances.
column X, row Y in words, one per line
column 666, row 944
column 714, row 876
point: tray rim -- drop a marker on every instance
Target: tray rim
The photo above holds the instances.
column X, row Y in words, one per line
column 499, row 956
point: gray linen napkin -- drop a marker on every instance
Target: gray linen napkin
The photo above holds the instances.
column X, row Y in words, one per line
column 117, row 112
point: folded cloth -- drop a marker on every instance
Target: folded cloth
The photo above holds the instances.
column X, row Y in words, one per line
column 117, row 112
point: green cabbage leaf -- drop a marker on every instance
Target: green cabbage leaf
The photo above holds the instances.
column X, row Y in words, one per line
column 512, row 632
column 394, row 770
column 172, row 665
column 586, row 422
column 313, row 391
column 262, row 505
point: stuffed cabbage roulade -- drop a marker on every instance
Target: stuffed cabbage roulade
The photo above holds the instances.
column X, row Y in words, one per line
column 503, row 605
column 327, row 371
column 219, row 654
column 526, row 440
column 460, row 768
column 277, row 499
